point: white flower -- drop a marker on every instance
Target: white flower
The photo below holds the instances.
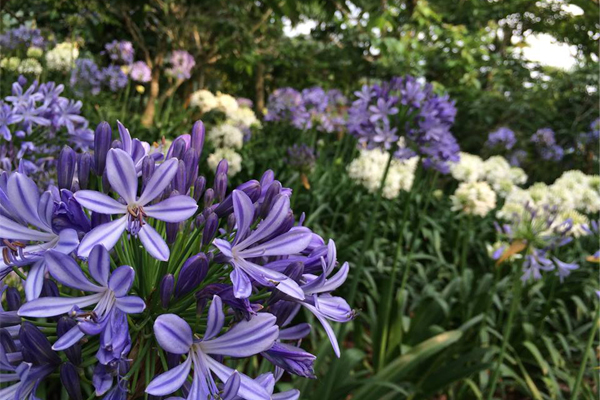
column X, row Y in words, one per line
column 11, row 64
column 62, row 57
column 30, row 66
column 475, row 198
column 369, row 167
column 233, row 159
column 226, row 103
column 226, row 135
column 577, row 220
column 35, row 52
column 242, row 117
column 204, row 100
column 468, row 169
column 501, row 176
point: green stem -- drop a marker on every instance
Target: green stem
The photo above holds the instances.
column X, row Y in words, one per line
column 514, row 305
column 590, row 342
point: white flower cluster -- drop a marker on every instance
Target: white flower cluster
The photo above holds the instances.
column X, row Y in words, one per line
column 204, row 100
column 243, row 117
column 495, row 170
column 10, row 64
column 574, row 195
column 369, row 167
column 474, row 198
column 30, row 66
column 226, row 135
column 62, row 57
column 234, row 160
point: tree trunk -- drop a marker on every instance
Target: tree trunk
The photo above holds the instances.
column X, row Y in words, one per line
column 148, row 116
column 259, row 87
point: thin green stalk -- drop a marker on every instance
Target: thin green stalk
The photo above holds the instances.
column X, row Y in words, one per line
column 514, row 305
column 586, row 352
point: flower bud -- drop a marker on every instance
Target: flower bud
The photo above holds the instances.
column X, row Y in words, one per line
column 200, row 220
column 267, row 178
column 251, row 188
column 198, row 137
column 209, row 197
column 83, row 170
column 13, row 299
column 7, row 344
column 37, row 345
column 210, row 228
column 73, row 353
column 69, row 377
column 194, row 270
column 102, row 139
column 220, row 186
column 22, row 80
column 222, row 167
column 199, row 187
column 178, row 148
column 49, row 289
column 180, row 179
column 99, row 219
column 166, row 289
column 117, row 144
column 272, row 191
column 230, row 223
column 105, row 184
column 65, row 168
column 190, row 159
column 292, row 359
column 148, row 167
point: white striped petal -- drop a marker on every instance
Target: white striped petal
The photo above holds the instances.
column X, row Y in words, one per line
column 99, row 202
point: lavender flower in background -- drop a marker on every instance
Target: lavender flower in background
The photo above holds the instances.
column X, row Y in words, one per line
column 120, row 51
column 23, row 36
column 181, row 65
column 114, row 78
column 140, row 72
column 283, row 104
column 301, row 157
column 86, row 76
column 545, row 142
column 502, row 137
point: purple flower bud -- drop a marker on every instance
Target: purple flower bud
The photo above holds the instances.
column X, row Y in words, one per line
column 267, row 177
column 222, row 167
column 117, row 144
column 178, row 148
column 99, row 219
column 209, row 197
column 102, row 139
column 7, row 344
column 251, row 188
column 65, row 168
column 9, row 318
column 13, row 299
column 166, row 289
column 210, row 228
column 49, row 289
column 190, row 159
column 198, row 137
column 22, row 80
column 230, row 223
column 292, row 359
column 193, row 272
column 220, row 186
column 272, row 191
column 83, row 170
column 172, row 228
column 105, row 184
column 64, row 325
column 199, row 187
column 37, row 345
column 180, row 180
column 148, row 167
column 69, row 377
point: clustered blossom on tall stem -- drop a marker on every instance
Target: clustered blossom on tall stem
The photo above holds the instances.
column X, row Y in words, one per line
column 405, row 108
column 545, row 142
column 104, row 294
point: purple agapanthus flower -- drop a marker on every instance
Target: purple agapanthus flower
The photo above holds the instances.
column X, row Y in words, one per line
column 182, row 64
column 136, row 149
column 263, row 242
column 7, row 117
column 503, row 137
column 140, row 72
column 86, row 76
column 123, row 178
column 245, row 339
column 110, row 298
column 68, row 115
column 114, row 78
column 120, row 51
column 21, row 36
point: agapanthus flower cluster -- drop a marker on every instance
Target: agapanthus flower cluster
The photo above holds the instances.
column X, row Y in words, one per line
column 311, row 108
column 496, row 171
column 30, row 66
column 62, row 57
column 540, row 231
column 473, row 198
column 140, row 72
column 405, row 108
column 544, row 141
column 86, row 77
column 181, row 64
column 503, row 137
column 22, row 36
column 301, row 157
column 120, row 52
column 136, row 262
column 369, row 167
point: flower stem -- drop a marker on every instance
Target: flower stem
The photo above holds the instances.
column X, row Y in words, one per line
column 586, row 352
column 514, row 305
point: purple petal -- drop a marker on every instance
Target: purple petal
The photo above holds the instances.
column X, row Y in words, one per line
column 121, row 174
column 14, row 231
column 244, row 213
column 242, row 287
column 296, row 332
column 215, row 319
column 170, row 381
column 154, row 243
column 246, row 338
column 161, row 178
column 249, row 389
column 261, row 274
column 35, row 280
column 125, row 137
column 327, row 327
column 293, row 394
column 24, row 197
column 232, row 386
column 131, row 304
column 291, row 288
column 224, row 247
column 46, row 208
column 173, row 209
column 106, row 234
column 173, row 334
column 52, row 306
column 68, row 240
column 276, row 216
column 121, row 279
column 99, row 202
column 291, row 242
column 99, row 264
column 67, row 340
column 66, row 271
